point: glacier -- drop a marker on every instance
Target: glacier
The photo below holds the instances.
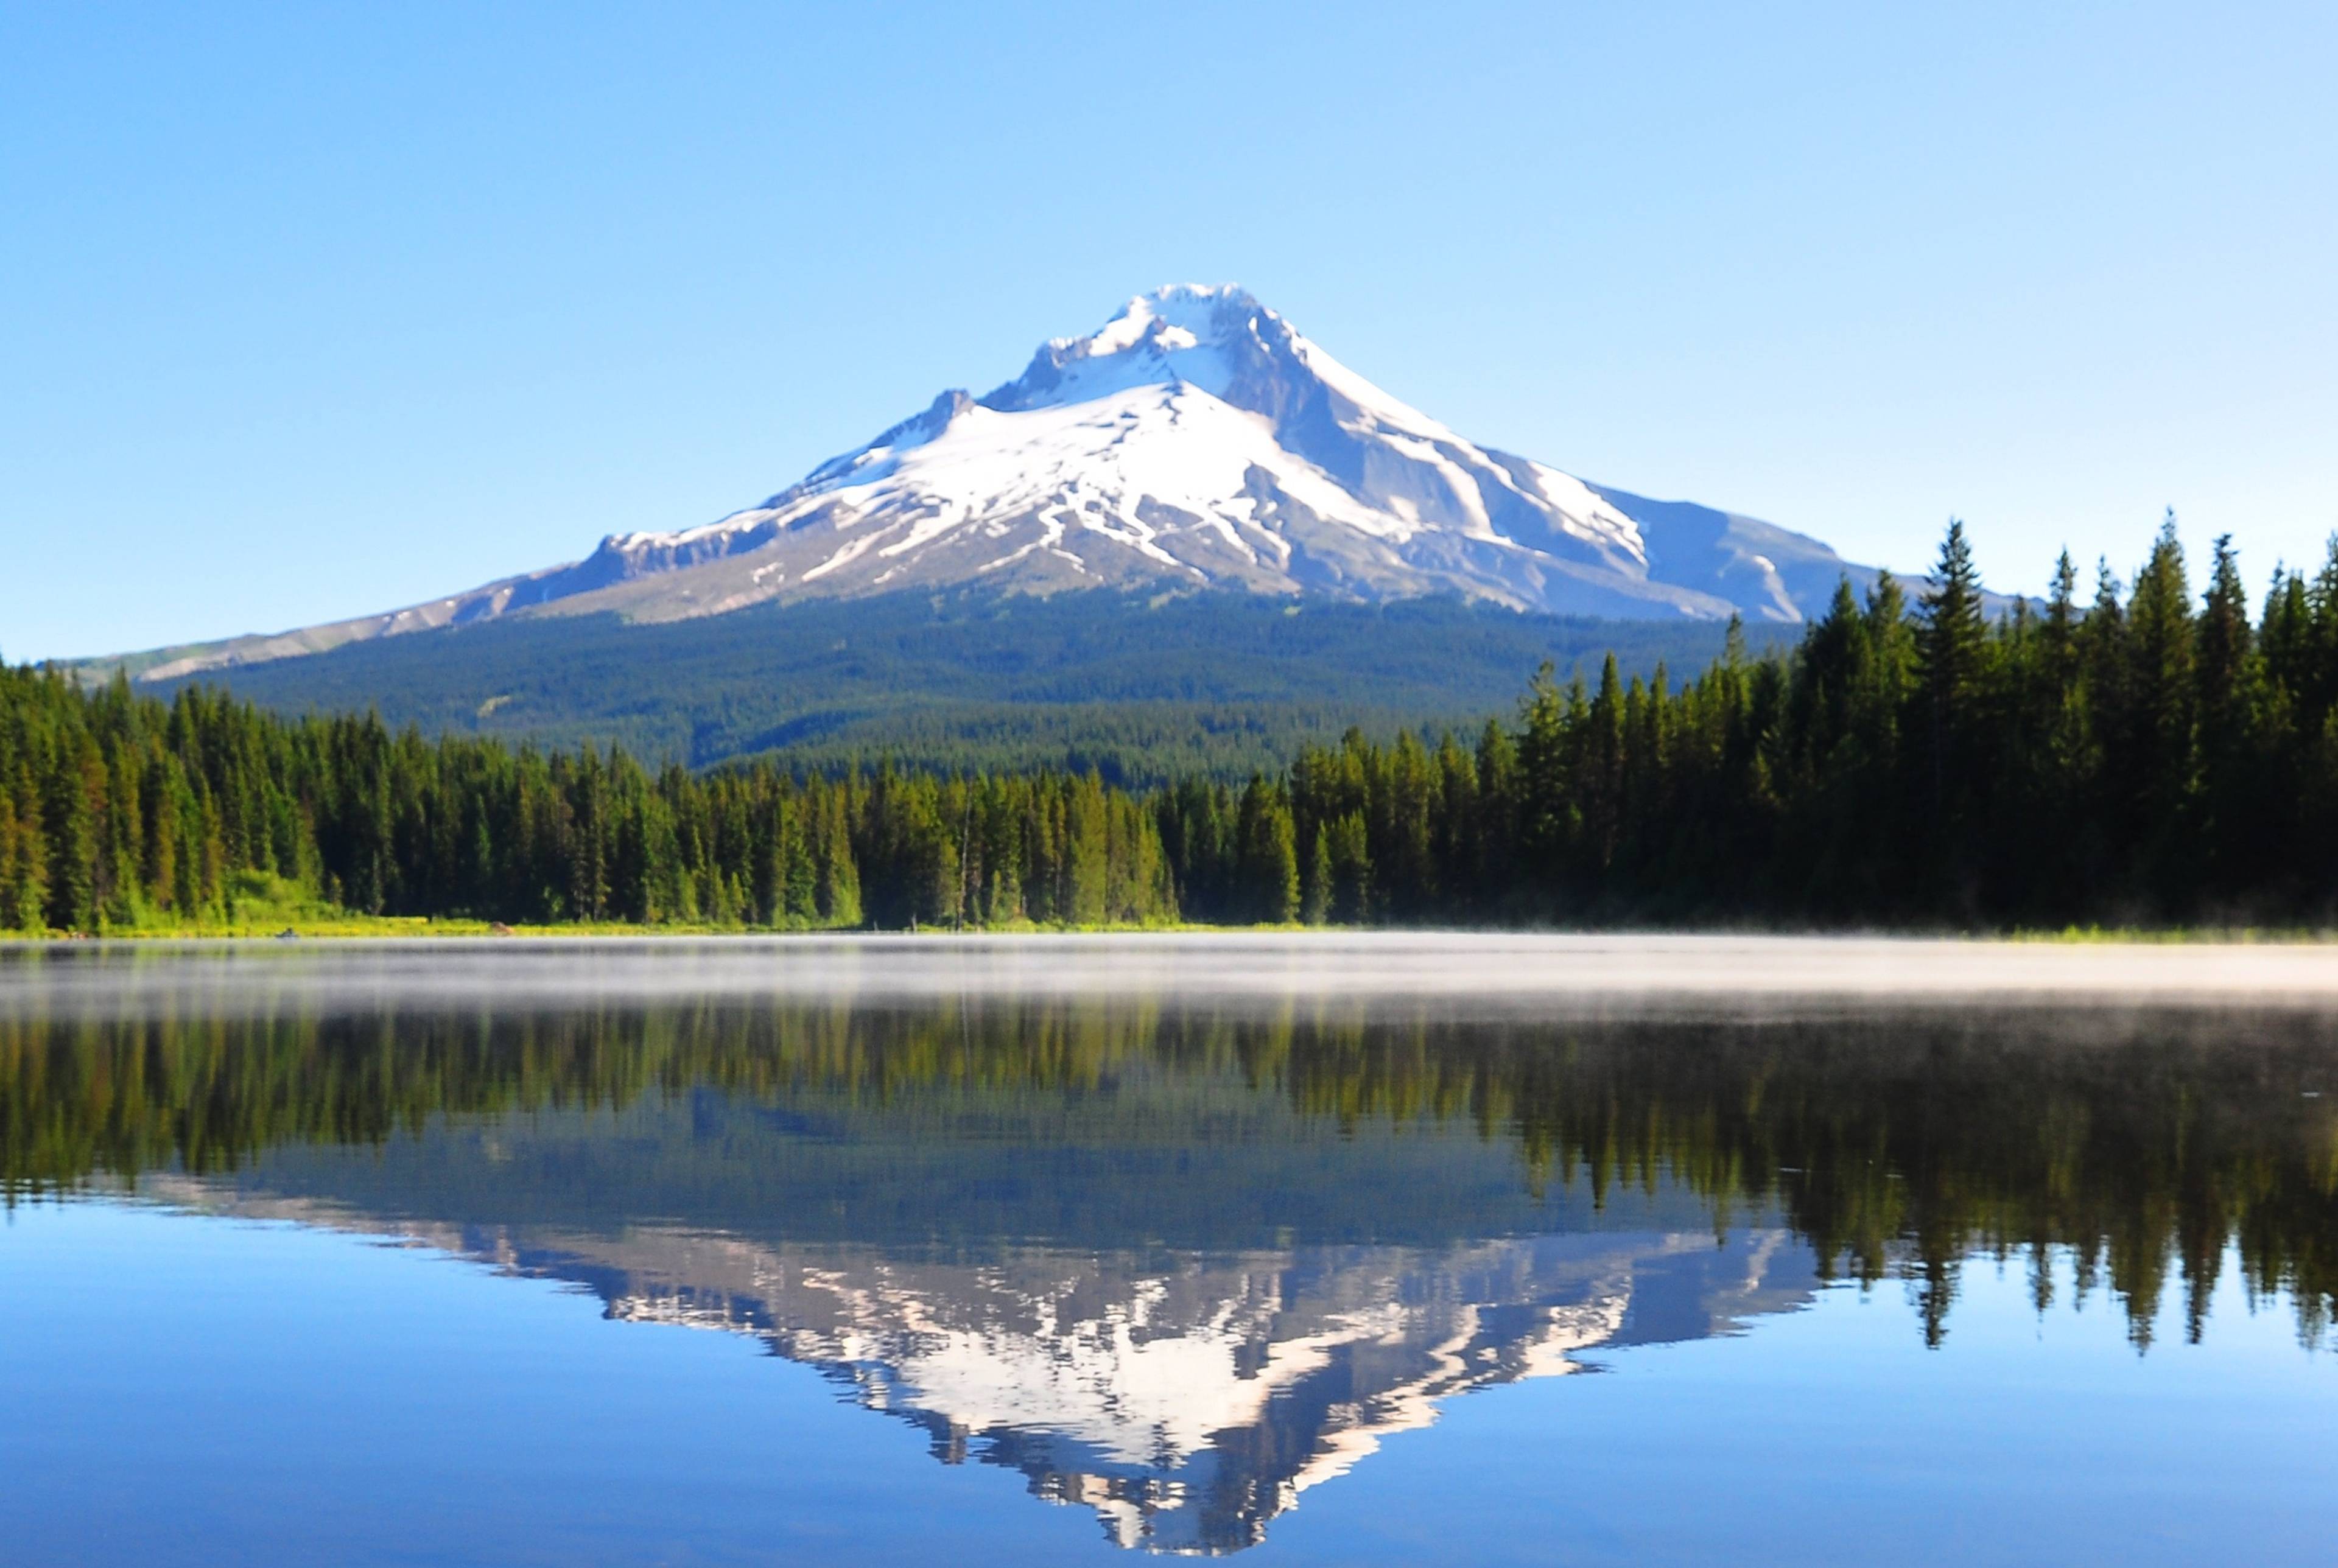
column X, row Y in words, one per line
column 1196, row 441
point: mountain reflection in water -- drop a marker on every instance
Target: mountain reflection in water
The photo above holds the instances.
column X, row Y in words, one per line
column 1178, row 1258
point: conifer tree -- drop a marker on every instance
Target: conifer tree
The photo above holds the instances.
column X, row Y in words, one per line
column 1951, row 644
column 1315, row 882
column 2158, row 751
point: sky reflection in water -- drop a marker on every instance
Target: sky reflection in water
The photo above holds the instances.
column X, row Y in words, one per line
column 1210, row 1264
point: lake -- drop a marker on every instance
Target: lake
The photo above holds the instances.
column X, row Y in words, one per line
column 1316, row 1249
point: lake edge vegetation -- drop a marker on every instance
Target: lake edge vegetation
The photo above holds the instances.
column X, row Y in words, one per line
column 2134, row 759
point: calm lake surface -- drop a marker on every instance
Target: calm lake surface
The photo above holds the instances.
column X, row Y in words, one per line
column 1320, row 1250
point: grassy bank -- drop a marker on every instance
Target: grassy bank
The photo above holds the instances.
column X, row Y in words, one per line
column 273, row 919
column 262, row 907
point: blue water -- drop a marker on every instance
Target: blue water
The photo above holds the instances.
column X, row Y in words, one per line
column 196, row 1390
column 825, row 1280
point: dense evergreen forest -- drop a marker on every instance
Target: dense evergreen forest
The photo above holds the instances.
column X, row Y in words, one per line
column 2134, row 758
column 1145, row 689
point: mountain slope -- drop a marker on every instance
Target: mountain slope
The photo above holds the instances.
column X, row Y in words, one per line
column 1196, row 441
column 1144, row 688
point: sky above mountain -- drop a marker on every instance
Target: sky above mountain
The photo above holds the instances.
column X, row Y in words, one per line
column 312, row 313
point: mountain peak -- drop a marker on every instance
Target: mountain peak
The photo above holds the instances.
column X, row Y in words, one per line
column 1185, row 315
column 1195, row 439
column 1194, row 334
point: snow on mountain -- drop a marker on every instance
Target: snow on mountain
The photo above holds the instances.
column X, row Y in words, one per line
column 1196, row 440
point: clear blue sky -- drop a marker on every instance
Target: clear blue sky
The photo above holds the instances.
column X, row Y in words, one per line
column 307, row 312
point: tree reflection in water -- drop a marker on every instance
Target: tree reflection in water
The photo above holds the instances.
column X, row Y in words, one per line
column 1179, row 1259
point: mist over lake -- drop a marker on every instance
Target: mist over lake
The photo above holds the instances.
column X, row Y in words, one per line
column 1310, row 1249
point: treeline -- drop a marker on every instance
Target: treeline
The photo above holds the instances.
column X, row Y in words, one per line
column 2138, row 758
column 118, row 812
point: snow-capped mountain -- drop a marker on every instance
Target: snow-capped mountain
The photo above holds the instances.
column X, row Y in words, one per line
column 1196, row 440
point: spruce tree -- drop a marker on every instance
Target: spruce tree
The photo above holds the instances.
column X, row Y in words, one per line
column 1952, row 643
column 2231, row 814
column 2160, row 750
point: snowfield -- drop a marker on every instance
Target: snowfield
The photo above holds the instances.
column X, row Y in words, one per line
column 1196, row 440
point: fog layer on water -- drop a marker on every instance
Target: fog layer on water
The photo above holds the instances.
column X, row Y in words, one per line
column 1292, row 1241
column 1461, row 976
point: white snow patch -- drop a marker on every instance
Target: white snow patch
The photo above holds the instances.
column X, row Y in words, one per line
column 1137, row 415
column 846, row 553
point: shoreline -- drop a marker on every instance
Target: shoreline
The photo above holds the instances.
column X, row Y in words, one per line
column 399, row 929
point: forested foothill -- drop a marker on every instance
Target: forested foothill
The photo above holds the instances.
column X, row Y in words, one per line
column 2138, row 756
column 1147, row 689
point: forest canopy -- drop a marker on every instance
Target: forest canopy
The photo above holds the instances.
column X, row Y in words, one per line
column 2140, row 755
column 1147, row 689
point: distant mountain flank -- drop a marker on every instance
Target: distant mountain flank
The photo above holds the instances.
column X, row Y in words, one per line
column 1147, row 689
column 1196, row 441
